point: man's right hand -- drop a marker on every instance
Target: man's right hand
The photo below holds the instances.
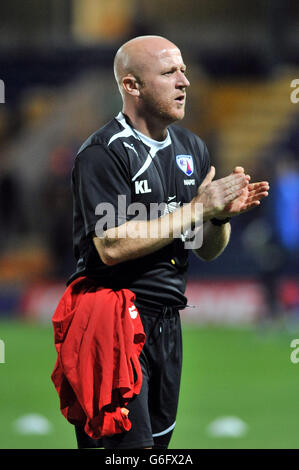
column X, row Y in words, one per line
column 215, row 195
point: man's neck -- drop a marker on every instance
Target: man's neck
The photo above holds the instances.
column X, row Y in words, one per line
column 149, row 128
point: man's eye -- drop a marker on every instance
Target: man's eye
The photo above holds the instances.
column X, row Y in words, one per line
column 170, row 72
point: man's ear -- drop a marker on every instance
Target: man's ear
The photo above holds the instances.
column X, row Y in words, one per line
column 131, row 85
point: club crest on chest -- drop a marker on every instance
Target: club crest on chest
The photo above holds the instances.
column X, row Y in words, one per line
column 185, row 164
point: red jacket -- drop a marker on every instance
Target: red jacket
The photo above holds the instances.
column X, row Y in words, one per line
column 98, row 338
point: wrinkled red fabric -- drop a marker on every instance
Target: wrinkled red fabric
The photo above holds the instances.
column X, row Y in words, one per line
column 98, row 337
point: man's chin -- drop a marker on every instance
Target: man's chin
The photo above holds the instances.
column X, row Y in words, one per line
column 178, row 116
column 175, row 116
column 182, row 115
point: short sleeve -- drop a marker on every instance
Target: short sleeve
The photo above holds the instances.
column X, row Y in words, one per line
column 101, row 187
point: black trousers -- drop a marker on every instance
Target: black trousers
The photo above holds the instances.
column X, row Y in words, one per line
column 152, row 412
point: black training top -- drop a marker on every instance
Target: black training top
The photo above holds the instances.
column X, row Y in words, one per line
column 120, row 166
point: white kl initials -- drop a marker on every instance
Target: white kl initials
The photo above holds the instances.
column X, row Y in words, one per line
column 142, row 187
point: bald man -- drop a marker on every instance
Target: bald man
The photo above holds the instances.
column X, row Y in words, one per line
column 138, row 159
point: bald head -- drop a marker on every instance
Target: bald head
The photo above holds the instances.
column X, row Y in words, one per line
column 136, row 56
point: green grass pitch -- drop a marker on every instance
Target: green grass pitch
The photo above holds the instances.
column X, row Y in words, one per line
column 227, row 371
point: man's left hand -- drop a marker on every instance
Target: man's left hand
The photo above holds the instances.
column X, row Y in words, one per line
column 249, row 199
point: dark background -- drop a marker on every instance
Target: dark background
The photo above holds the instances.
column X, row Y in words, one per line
column 56, row 63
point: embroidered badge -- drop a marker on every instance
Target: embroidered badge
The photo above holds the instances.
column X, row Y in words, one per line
column 185, row 163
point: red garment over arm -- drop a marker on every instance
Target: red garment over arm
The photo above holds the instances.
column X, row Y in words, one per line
column 98, row 338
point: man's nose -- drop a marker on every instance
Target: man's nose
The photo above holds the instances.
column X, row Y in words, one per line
column 183, row 80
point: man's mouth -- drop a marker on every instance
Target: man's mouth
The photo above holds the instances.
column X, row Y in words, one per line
column 180, row 98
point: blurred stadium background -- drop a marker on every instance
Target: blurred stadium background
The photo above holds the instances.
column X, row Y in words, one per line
column 239, row 386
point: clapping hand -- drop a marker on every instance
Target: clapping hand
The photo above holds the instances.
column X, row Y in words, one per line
column 249, row 199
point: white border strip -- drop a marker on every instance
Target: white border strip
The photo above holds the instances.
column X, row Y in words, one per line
column 166, row 430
